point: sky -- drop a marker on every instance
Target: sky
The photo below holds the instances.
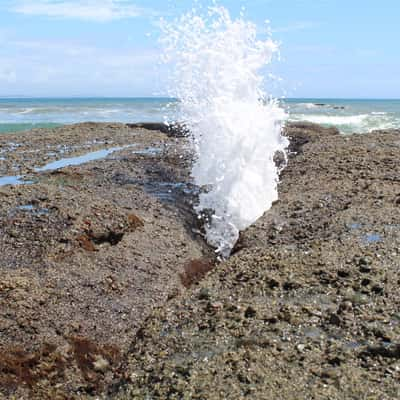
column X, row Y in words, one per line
column 60, row 48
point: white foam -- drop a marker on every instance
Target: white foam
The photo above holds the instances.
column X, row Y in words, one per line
column 333, row 119
column 307, row 105
column 361, row 123
column 218, row 65
column 26, row 111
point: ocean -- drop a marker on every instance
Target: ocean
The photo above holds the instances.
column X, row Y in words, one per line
column 350, row 115
column 17, row 114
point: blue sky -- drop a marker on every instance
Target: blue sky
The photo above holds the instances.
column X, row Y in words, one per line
column 329, row 48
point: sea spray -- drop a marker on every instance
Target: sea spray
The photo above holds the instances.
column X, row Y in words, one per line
column 235, row 127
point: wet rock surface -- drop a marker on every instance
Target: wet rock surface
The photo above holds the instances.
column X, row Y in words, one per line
column 106, row 292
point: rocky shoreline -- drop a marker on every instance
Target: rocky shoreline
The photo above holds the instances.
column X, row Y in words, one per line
column 99, row 286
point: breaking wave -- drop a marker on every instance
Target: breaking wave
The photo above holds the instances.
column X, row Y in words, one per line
column 352, row 123
column 335, row 119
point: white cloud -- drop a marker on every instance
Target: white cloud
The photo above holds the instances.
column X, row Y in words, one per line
column 92, row 10
column 70, row 67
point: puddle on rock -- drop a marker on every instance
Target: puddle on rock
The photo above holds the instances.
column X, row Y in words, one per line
column 372, row 238
column 13, row 180
column 32, row 209
column 64, row 162
column 355, row 226
column 28, row 207
column 150, row 151
column 369, row 237
column 79, row 160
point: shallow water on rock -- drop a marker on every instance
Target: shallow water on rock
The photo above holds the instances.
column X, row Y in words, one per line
column 372, row 238
column 73, row 161
column 149, row 151
column 30, row 208
column 62, row 163
column 12, row 180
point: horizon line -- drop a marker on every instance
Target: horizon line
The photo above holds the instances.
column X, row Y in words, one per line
column 89, row 97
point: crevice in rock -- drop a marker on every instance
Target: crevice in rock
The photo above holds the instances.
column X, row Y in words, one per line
column 175, row 130
column 111, row 237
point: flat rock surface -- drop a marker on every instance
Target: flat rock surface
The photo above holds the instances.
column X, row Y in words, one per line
column 87, row 252
column 92, row 304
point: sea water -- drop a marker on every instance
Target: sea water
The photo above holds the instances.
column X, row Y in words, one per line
column 348, row 115
column 18, row 114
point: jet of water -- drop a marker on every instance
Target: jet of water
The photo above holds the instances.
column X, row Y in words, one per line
column 235, row 126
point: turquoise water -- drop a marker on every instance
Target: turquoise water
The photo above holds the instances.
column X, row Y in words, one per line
column 18, row 127
column 26, row 113
column 349, row 115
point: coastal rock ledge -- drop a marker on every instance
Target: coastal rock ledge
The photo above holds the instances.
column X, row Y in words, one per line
column 93, row 304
